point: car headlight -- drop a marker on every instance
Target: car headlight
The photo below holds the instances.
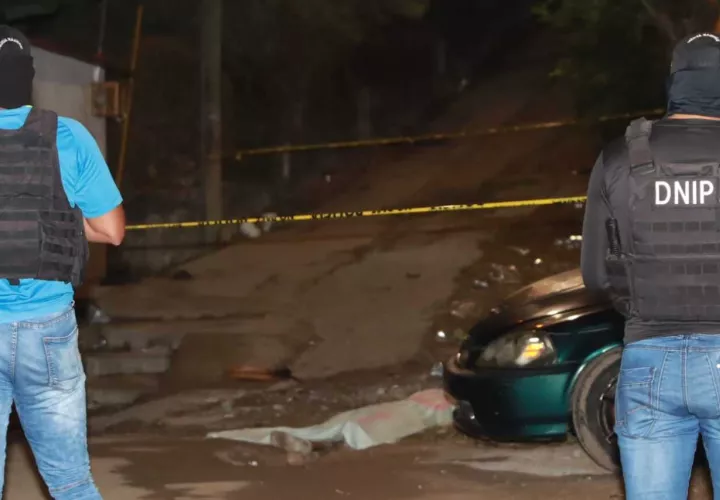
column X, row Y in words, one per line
column 518, row 349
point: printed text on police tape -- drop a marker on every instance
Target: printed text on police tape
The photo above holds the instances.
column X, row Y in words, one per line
column 363, row 213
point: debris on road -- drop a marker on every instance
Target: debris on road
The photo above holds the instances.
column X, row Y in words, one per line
column 250, row 230
column 457, row 335
column 437, row 370
column 505, row 274
column 362, row 428
column 572, row 242
column 96, row 316
column 481, row 284
column 268, row 223
column 464, row 309
column 249, row 373
column 522, row 251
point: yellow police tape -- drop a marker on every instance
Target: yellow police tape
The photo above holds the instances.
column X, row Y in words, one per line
column 440, row 136
column 362, row 213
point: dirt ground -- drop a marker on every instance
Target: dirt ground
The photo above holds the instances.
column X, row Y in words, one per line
column 435, row 467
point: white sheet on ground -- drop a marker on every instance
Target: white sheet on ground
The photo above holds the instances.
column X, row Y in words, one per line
column 365, row 427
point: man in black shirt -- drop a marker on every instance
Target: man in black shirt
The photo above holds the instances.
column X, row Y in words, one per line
column 651, row 241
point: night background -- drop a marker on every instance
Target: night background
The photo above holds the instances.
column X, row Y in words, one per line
column 186, row 332
column 318, row 71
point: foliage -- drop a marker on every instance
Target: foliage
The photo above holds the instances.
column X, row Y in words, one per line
column 619, row 52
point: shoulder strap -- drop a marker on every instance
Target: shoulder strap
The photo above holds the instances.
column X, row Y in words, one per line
column 42, row 122
column 637, row 138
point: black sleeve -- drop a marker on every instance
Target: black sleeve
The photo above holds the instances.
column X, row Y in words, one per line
column 595, row 239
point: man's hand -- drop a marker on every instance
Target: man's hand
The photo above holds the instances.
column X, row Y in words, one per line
column 108, row 228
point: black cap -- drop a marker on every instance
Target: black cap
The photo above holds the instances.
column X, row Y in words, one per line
column 13, row 42
column 697, row 52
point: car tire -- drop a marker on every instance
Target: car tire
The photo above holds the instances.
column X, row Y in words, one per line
column 588, row 406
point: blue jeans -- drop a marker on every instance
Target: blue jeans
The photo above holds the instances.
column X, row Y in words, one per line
column 668, row 394
column 41, row 371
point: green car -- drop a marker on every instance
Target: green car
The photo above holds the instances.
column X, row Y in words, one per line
column 542, row 365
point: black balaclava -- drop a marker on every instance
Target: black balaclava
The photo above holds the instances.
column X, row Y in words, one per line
column 694, row 83
column 17, row 69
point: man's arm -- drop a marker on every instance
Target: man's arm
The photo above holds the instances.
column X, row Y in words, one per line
column 92, row 189
column 595, row 240
column 108, row 228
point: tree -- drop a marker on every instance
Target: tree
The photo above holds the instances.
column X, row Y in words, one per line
column 619, row 51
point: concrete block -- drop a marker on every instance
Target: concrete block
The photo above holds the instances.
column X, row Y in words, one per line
column 100, row 398
column 140, row 336
column 126, row 363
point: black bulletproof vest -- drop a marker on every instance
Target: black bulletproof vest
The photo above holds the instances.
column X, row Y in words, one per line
column 41, row 236
column 666, row 267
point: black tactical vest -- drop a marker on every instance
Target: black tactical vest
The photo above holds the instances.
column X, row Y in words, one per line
column 41, row 236
column 665, row 266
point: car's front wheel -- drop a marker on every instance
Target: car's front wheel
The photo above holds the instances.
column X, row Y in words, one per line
column 593, row 409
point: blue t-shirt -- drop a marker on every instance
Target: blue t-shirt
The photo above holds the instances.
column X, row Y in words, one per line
column 88, row 185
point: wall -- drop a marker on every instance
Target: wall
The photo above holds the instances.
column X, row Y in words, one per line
column 62, row 84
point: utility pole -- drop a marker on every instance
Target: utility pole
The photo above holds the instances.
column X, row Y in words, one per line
column 211, row 109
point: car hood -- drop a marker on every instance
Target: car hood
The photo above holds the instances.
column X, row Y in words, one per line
column 547, row 297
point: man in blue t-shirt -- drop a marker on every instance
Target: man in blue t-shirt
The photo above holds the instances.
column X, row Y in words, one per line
column 56, row 193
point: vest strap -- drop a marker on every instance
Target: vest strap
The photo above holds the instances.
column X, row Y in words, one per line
column 637, row 138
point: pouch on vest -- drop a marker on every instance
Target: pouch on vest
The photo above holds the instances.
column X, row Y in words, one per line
column 615, row 266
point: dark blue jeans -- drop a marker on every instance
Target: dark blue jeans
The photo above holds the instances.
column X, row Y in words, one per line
column 668, row 394
column 41, row 370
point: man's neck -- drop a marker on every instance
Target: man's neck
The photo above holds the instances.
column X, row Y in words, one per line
column 681, row 116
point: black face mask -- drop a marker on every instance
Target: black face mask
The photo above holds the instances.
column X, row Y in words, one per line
column 16, row 81
column 694, row 92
